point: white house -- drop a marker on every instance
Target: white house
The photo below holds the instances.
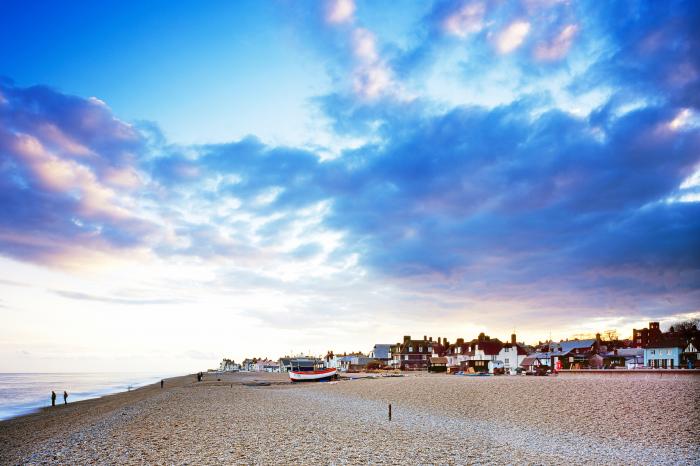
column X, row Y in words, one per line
column 511, row 355
column 457, row 353
column 266, row 365
column 229, row 365
column 691, row 355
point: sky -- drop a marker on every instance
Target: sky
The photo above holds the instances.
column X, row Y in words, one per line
column 181, row 183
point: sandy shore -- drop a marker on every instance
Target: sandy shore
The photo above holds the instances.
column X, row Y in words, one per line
column 437, row 419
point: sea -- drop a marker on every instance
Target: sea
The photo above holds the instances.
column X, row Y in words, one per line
column 23, row 393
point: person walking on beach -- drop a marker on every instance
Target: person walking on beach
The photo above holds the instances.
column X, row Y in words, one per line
column 65, row 397
column 53, row 398
column 161, row 383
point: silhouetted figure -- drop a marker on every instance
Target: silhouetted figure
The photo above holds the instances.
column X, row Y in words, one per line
column 65, row 397
column 161, row 384
column 53, row 398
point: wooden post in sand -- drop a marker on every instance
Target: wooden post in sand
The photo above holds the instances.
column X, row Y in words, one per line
column 390, row 411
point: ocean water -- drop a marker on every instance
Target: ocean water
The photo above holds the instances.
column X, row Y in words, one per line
column 22, row 393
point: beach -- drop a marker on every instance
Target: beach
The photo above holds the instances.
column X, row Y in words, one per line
column 436, row 419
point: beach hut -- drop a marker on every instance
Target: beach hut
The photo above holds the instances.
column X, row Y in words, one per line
column 437, row 364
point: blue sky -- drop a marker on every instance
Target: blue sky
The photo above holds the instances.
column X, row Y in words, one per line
column 362, row 170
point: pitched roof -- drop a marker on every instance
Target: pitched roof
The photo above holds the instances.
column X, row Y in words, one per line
column 629, row 352
column 567, row 346
column 490, row 347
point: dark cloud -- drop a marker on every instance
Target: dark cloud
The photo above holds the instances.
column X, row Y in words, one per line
column 651, row 51
column 494, row 199
column 507, row 202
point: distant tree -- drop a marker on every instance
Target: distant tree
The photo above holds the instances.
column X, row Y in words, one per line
column 610, row 335
column 687, row 329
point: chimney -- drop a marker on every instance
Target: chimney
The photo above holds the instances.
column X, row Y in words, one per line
column 406, row 338
column 430, row 338
column 425, row 337
column 439, row 340
column 512, row 338
column 482, row 335
column 597, row 336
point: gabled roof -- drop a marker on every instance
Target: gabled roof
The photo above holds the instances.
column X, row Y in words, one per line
column 385, row 346
column 630, row 352
column 565, row 347
column 490, row 347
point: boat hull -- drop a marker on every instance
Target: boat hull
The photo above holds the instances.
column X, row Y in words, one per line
column 313, row 376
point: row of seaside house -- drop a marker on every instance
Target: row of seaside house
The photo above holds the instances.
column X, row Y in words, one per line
column 648, row 348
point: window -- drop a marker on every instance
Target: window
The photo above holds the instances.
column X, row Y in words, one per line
column 507, row 361
column 420, row 349
column 430, row 349
column 410, row 349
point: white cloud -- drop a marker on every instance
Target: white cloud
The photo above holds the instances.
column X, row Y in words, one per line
column 364, row 45
column 340, row 11
column 512, row 37
column 559, row 46
column 467, row 20
column 372, row 76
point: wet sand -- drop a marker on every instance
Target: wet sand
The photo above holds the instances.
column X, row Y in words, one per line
column 436, row 419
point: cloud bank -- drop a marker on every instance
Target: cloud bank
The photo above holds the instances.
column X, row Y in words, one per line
column 526, row 200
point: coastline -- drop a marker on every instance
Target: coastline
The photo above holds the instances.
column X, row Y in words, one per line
column 263, row 418
column 23, row 393
column 48, row 421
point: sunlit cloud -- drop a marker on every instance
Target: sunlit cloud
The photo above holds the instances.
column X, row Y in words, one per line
column 559, row 46
column 340, row 11
column 531, row 160
column 469, row 19
column 512, row 36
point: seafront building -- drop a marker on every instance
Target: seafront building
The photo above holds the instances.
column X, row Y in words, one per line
column 229, row 365
column 649, row 348
column 412, row 354
column 381, row 352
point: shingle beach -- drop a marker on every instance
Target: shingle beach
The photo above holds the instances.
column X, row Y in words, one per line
column 437, row 419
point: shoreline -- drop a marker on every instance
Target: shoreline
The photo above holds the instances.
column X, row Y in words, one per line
column 48, row 421
column 263, row 418
column 82, row 386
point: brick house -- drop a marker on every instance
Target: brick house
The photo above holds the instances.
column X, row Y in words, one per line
column 412, row 354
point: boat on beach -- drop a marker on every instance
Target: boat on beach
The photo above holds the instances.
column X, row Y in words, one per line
column 318, row 375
